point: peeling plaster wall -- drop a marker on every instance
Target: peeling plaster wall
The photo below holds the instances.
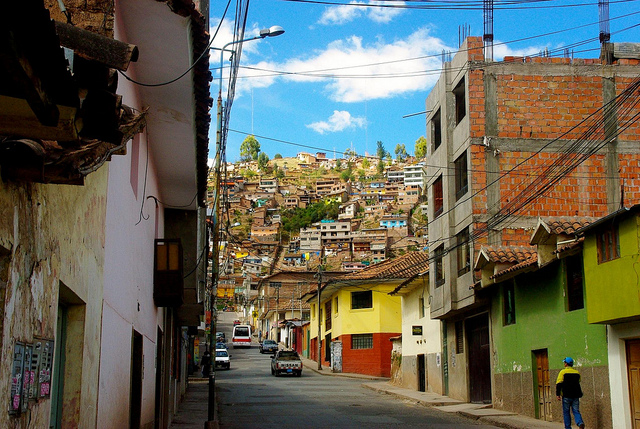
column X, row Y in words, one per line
column 53, row 234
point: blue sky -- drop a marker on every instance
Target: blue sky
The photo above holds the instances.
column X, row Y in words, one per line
column 354, row 71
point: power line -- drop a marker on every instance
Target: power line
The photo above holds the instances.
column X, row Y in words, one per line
column 411, row 4
column 205, row 52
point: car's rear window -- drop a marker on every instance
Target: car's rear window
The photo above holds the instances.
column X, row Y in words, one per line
column 241, row 332
column 221, row 353
column 288, row 355
column 268, row 342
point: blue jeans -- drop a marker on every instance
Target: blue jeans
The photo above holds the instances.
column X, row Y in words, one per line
column 572, row 404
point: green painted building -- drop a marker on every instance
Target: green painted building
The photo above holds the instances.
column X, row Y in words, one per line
column 612, row 285
column 537, row 317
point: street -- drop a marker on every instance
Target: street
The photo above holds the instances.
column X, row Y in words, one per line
column 250, row 397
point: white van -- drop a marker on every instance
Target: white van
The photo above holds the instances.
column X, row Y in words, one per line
column 241, row 336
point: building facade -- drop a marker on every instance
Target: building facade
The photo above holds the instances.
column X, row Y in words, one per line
column 495, row 123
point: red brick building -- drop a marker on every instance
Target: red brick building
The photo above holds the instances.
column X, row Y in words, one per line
column 509, row 142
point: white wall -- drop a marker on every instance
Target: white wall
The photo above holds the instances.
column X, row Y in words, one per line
column 128, row 280
column 618, row 380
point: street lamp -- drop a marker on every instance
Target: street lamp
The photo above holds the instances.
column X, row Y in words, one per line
column 276, row 30
column 273, row 31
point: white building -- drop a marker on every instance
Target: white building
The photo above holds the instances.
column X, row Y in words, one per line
column 415, row 175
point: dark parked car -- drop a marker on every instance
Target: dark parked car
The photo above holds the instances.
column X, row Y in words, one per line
column 286, row 362
column 220, row 337
column 268, row 346
column 221, row 346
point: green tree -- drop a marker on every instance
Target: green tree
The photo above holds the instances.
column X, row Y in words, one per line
column 350, row 153
column 249, row 149
column 380, row 167
column 366, row 164
column 248, row 174
column 277, row 156
column 420, row 149
column 263, row 161
column 401, row 152
column 381, row 152
column 347, row 175
column 338, row 164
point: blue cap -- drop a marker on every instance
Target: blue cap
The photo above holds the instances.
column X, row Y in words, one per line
column 568, row 361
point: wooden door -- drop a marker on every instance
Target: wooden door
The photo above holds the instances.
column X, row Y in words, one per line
column 422, row 374
column 544, row 392
column 477, row 329
column 633, row 372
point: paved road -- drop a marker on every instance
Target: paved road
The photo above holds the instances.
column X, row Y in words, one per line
column 250, row 397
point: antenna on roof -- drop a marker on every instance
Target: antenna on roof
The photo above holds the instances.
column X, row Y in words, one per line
column 487, row 8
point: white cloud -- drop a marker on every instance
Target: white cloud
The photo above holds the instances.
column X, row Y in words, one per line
column 501, row 50
column 384, row 15
column 337, row 15
column 375, row 71
column 339, row 121
column 341, row 14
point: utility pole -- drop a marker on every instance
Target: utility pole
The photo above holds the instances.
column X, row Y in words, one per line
column 319, row 300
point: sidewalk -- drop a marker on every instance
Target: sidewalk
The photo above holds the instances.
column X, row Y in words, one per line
column 192, row 411
column 483, row 413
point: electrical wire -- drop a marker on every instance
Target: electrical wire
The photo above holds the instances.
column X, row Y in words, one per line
column 478, row 5
column 205, row 53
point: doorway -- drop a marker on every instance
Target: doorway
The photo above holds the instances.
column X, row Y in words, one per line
column 135, row 398
column 159, row 421
column 327, row 347
column 477, row 329
column 422, row 374
column 633, row 373
column 543, row 391
column 59, row 359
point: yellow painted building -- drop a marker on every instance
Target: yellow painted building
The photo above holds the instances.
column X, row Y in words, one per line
column 358, row 316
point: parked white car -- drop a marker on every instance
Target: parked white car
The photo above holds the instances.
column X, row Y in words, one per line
column 222, row 358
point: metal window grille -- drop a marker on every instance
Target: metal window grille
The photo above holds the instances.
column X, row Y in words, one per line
column 362, row 341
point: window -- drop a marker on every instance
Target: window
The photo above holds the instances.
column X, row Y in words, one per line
column 438, row 202
column 462, row 249
column 436, row 130
column 575, row 294
column 509, row 303
column 608, row 243
column 336, row 305
column 361, row 300
column 459, row 337
column 462, row 181
column 361, row 341
column 459, row 94
column 439, row 274
column 327, row 316
column 421, row 308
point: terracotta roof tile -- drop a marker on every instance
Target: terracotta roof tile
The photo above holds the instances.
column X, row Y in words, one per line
column 531, row 261
column 567, row 225
column 405, row 266
column 569, row 246
column 505, row 255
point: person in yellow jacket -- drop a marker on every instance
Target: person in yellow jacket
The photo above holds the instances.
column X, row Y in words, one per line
column 568, row 389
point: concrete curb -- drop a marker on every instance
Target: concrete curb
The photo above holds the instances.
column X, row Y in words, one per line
column 481, row 413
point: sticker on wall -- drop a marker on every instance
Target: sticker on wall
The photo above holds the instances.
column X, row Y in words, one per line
column 438, row 359
column 26, row 377
column 17, row 367
column 44, row 372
